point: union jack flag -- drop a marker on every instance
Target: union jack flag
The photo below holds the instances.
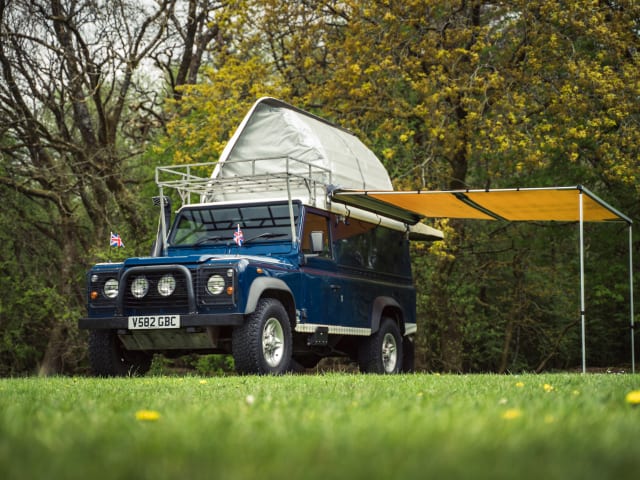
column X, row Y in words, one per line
column 238, row 237
column 116, row 241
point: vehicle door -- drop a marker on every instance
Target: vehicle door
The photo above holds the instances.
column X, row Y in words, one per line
column 320, row 280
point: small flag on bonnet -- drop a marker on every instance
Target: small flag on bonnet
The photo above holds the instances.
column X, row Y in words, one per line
column 238, row 237
column 116, row 241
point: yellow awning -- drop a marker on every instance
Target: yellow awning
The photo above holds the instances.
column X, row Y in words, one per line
column 562, row 204
column 526, row 204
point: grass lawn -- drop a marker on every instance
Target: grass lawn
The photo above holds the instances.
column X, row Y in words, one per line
column 321, row 426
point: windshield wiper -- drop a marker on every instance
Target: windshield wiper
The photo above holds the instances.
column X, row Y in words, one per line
column 266, row 235
column 213, row 238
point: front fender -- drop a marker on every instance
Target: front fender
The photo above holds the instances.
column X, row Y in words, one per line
column 259, row 286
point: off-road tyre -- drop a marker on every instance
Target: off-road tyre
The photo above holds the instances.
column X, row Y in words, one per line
column 263, row 344
column 108, row 358
column 382, row 351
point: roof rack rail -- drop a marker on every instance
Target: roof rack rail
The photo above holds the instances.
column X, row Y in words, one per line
column 278, row 175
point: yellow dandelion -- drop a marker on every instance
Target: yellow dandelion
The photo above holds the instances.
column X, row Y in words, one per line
column 203, row 382
column 549, row 419
column 512, row 414
column 519, row 384
column 147, row 415
column 633, row 397
column 548, row 388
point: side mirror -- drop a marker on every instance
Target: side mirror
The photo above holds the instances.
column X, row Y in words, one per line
column 317, row 241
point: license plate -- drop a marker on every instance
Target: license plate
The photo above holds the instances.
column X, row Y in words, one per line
column 146, row 322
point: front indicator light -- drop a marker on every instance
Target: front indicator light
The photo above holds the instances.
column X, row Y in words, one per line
column 94, row 295
column 229, row 290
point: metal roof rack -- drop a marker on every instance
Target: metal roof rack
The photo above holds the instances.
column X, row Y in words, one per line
column 267, row 176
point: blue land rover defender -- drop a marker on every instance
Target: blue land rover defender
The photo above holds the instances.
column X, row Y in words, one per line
column 264, row 265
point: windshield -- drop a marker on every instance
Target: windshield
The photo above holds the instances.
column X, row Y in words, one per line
column 211, row 225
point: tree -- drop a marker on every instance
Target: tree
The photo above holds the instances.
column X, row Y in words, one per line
column 79, row 102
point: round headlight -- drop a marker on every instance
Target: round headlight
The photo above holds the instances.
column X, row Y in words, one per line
column 166, row 285
column 111, row 288
column 139, row 287
column 215, row 285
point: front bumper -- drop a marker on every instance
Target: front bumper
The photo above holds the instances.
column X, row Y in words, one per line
column 186, row 321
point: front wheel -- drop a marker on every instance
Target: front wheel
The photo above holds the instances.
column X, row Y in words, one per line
column 263, row 344
column 109, row 358
column 382, row 352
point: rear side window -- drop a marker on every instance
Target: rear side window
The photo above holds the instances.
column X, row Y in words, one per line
column 364, row 245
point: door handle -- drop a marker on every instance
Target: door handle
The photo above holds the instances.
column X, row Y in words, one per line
column 334, row 287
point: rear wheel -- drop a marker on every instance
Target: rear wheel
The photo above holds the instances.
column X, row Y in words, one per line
column 263, row 344
column 382, row 351
column 109, row 358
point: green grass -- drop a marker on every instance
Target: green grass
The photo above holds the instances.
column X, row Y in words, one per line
column 319, row 427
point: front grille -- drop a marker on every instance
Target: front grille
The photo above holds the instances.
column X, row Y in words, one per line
column 153, row 302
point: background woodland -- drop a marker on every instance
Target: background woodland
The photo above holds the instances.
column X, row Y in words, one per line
column 449, row 94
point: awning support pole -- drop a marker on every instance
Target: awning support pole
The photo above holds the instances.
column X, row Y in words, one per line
column 633, row 349
column 582, row 302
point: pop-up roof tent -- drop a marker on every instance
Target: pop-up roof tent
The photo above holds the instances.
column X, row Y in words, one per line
column 575, row 204
column 277, row 137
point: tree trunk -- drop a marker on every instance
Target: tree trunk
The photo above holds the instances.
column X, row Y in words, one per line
column 52, row 360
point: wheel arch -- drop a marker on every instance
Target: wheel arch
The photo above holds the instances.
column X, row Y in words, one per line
column 386, row 307
column 272, row 288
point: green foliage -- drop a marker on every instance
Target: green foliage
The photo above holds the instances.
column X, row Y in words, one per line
column 206, row 365
column 28, row 310
column 314, row 427
column 214, row 365
column 519, row 310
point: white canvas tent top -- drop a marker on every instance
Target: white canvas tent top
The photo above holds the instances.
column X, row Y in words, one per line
column 277, row 137
column 575, row 204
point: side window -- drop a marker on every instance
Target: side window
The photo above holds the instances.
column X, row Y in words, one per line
column 314, row 223
column 351, row 242
column 365, row 245
column 390, row 252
